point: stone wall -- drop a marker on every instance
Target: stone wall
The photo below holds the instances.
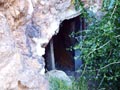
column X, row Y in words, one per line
column 26, row 26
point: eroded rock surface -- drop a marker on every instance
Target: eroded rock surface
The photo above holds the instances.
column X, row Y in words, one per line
column 9, row 57
column 26, row 26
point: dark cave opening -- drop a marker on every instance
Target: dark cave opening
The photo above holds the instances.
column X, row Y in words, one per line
column 63, row 55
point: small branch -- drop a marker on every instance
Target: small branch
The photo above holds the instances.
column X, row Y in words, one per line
column 102, row 45
column 92, row 52
column 101, row 82
column 105, row 66
column 99, row 47
column 109, row 65
column 113, row 11
column 84, row 70
column 117, row 36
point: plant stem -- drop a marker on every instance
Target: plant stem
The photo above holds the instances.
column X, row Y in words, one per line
column 99, row 47
column 101, row 82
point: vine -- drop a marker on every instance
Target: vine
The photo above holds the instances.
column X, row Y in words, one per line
column 101, row 45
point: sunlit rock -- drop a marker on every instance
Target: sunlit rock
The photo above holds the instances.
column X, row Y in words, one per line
column 26, row 26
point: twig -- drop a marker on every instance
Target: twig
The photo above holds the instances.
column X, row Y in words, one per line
column 101, row 82
column 113, row 11
column 117, row 36
column 99, row 47
column 109, row 65
column 84, row 70
column 106, row 66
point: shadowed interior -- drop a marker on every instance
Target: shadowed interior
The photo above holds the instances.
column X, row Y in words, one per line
column 62, row 43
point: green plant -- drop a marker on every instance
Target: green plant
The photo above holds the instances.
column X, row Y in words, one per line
column 57, row 84
column 80, row 84
column 101, row 46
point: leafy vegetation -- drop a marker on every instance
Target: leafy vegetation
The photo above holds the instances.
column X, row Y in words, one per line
column 100, row 45
column 57, row 84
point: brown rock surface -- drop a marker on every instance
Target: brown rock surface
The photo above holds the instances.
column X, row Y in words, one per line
column 25, row 27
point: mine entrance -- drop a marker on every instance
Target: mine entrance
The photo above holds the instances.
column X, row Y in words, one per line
column 59, row 54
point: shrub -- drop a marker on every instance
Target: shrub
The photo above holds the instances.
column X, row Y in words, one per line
column 57, row 84
column 101, row 46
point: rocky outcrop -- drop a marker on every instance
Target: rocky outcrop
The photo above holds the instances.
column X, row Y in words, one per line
column 26, row 26
column 9, row 57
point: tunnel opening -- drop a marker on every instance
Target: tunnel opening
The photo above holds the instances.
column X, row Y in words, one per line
column 59, row 54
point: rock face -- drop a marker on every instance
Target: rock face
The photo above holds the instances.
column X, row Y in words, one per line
column 26, row 26
column 9, row 57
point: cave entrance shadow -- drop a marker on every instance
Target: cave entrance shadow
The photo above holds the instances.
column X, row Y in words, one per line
column 62, row 55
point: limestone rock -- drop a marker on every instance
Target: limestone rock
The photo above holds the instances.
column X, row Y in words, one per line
column 9, row 58
column 26, row 26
